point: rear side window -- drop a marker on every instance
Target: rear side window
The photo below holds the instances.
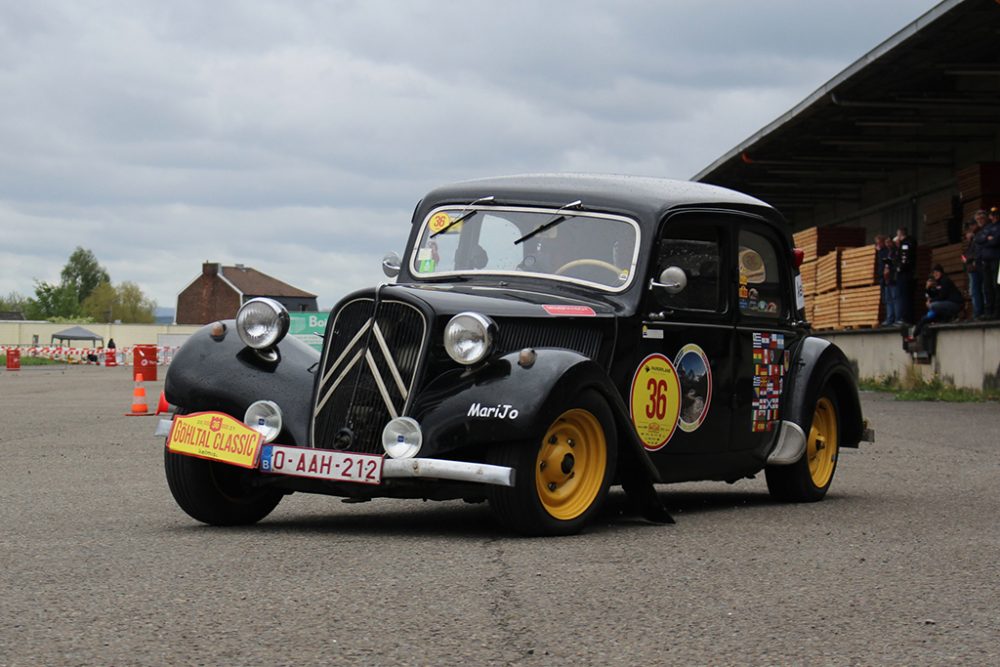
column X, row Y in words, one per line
column 695, row 248
column 759, row 293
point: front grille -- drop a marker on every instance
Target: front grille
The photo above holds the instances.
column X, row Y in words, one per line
column 368, row 371
column 518, row 334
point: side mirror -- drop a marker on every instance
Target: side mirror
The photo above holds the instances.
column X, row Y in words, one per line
column 673, row 280
column 390, row 264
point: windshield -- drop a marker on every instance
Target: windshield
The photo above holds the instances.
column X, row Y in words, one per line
column 595, row 249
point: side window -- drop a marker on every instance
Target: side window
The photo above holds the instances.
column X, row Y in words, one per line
column 695, row 248
column 759, row 275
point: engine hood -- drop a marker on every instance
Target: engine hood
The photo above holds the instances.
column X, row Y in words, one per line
column 502, row 302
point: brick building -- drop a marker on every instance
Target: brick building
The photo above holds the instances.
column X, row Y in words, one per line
column 219, row 291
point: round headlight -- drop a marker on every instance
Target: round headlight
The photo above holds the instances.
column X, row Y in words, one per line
column 401, row 438
column 265, row 417
column 468, row 337
column 262, row 322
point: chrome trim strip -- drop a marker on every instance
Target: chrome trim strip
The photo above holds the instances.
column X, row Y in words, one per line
column 382, row 389
column 340, row 378
column 461, row 471
column 390, row 361
column 347, row 349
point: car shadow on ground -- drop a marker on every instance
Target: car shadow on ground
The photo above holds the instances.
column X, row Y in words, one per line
column 473, row 520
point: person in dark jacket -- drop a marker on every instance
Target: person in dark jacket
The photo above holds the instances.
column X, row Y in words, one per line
column 885, row 277
column 988, row 262
column 969, row 256
column 944, row 300
column 905, row 264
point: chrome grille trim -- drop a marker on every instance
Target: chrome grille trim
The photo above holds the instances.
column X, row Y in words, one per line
column 392, row 341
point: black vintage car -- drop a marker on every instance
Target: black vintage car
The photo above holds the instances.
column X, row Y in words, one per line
column 546, row 337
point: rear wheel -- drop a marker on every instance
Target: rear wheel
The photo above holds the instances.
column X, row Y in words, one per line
column 809, row 478
column 562, row 476
column 217, row 493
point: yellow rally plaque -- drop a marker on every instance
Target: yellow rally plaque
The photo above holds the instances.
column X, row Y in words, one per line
column 215, row 436
column 440, row 221
column 656, row 401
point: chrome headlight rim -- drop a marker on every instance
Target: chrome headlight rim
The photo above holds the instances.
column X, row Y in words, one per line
column 478, row 328
column 402, row 438
column 264, row 417
column 262, row 312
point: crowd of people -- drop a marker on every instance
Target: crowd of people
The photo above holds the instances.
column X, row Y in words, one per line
column 895, row 265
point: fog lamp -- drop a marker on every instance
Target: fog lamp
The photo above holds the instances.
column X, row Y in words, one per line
column 401, row 438
column 265, row 418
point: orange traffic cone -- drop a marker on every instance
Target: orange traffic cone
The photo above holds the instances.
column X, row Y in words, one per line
column 140, row 408
column 163, row 407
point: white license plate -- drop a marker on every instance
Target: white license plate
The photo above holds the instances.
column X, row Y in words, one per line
column 322, row 464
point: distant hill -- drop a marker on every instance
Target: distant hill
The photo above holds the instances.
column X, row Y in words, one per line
column 164, row 315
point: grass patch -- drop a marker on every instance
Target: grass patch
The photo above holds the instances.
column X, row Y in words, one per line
column 32, row 361
column 913, row 387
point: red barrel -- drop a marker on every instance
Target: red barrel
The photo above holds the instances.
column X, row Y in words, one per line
column 144, row 361
column 13, row 359
column 109, row 358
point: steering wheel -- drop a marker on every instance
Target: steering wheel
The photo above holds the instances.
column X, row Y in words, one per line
column 599, row 263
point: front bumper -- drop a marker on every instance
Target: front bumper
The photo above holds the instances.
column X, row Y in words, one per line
column 417, row 468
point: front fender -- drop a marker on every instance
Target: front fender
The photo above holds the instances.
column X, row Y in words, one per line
column 816, row 363
column 505, row 402
column 210, row 373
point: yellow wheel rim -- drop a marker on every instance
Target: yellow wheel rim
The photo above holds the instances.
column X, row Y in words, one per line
column 569, row 469
column 821, row 450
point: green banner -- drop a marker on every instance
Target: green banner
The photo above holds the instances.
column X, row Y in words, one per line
column 306, row 326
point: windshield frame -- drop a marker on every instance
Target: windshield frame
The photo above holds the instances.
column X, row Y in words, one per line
column 554, row 210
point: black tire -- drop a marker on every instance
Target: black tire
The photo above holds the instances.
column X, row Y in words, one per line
column 548, row 497
column 216, row 493
column 808, row 479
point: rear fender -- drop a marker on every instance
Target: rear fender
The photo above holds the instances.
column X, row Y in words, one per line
column 223, row 374
column 815, row 364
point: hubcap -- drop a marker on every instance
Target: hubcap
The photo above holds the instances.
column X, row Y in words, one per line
column 821, row 449
column 571, row 463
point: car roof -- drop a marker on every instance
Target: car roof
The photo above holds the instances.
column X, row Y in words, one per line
column 638, row 195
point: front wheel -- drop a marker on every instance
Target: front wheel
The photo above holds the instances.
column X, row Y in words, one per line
column 808, row 479
column 217, row 493
column 562, row 476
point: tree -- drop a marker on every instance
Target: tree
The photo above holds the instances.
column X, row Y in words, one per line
column 126, row 303
column 52, row 301
column 14, row 303
column 133, row 305
column 100, row 305
column 83, row 273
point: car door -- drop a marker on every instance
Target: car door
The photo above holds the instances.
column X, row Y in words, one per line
column 765, row 313
column 680, row 388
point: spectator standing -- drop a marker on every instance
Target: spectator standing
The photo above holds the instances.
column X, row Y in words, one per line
column 988, row 261
column 885, row 278
column 970, row 256
column 905, row 264
column 944, row 300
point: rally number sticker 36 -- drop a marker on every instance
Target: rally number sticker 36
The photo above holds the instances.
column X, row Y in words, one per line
column 655, row 401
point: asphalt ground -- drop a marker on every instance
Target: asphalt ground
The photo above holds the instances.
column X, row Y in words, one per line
column 98, row 566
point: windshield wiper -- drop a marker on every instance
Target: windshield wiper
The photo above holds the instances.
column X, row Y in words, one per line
column 560, row 217
column 464, row 216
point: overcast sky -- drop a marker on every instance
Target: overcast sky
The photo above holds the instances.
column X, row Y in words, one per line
column 296, row 136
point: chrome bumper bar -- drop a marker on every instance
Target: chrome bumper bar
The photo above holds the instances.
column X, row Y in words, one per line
column 458, row 471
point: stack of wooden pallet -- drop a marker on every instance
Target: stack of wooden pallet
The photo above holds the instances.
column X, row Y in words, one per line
column 937, row 216
column 808, row 273
column 860, row 295
column 826, row 311
column 818, row 241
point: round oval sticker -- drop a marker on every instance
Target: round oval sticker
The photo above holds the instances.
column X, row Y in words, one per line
column 656, row 401
column 695, row 374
